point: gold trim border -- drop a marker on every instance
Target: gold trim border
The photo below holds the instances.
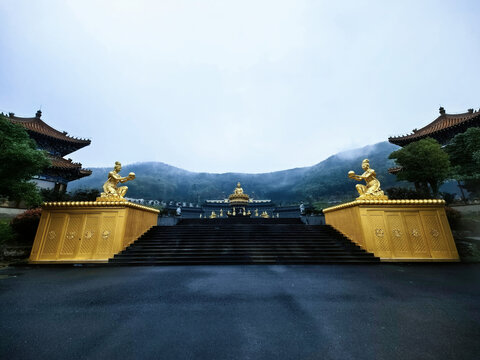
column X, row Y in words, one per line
column 70, row 204
column 424, row 202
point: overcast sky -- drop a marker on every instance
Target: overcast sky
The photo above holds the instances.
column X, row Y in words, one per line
column 244, row 86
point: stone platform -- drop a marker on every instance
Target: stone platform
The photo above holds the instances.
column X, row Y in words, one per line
column 88, row 231
column 397, row 230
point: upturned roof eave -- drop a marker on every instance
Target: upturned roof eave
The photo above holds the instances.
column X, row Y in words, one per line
column 429, row 130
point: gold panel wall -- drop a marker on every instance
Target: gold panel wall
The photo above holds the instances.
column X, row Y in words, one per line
column 88, row 231
column 397, row 230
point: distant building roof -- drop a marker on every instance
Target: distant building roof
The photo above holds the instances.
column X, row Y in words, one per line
column 36, row 125
column 443, row 128
column 395, row 170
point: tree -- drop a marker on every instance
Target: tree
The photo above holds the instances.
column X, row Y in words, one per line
column 424, row 163
column 78, row 195
column 464, row 152
column 19, row 162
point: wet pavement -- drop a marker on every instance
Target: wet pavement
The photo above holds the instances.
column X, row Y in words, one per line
column 384, row 311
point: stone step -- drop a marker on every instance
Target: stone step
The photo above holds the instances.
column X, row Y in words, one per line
column 251, row 242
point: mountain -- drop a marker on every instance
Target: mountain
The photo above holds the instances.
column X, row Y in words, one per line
column 325, row 180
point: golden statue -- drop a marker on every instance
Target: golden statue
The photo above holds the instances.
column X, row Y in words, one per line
column 238, row 190
column 221, row 212
column 256, row 212
column 111, row 191
column 265, row 215
column 372, row 188
column 213, row 215
column 238, row 197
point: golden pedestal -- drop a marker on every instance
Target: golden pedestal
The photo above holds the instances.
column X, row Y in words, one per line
column 397, row 230
column 88, row 231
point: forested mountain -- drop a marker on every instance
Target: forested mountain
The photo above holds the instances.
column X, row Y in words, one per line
column 325, row 180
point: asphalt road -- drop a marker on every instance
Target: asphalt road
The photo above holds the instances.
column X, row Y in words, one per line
column 241, row 312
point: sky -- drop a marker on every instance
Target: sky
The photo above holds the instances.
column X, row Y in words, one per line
column 236, row 86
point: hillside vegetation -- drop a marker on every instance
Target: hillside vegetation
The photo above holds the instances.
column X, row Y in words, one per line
column 326, row 180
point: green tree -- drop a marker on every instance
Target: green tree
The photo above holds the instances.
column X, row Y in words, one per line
column 424, row 163
column 78, row 195
column 19, row 162
column 464, row 152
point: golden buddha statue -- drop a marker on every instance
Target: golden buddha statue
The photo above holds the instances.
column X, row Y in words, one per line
column 111, row 191
column 213, row 215
column 238, row 197
column 256, row 212
column 238, row 190
column 372, row 188
column 221, row 212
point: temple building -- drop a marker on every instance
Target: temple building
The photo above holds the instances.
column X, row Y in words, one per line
column 238, row 205
column 58, row 144
column 442, row 129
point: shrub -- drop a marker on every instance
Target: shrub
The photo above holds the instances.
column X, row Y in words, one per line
column 399, row 193
column 453, row 217
column 85, row 195
column 26, row 224
column 448, row 197
column 311, row 210
column 6, row 232
column 53, row 195
column 79, row 195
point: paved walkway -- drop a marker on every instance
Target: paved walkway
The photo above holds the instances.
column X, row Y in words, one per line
column 386, row 311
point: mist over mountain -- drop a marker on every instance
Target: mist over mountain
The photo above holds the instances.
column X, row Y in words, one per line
column 325, row 180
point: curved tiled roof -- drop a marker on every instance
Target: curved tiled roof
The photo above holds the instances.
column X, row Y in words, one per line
column 61, row 163
column 68, row 164
column 36, row 125
column 442, row 123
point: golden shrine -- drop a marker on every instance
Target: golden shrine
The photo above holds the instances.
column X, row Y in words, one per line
column 91, row 231
column 394, row 230
column 239, row 202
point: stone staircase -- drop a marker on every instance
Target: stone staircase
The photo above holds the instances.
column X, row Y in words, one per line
column 241, row 241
